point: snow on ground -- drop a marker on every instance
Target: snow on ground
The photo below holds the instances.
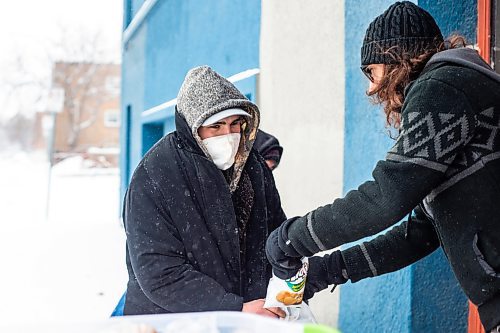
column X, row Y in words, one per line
column 71, row 265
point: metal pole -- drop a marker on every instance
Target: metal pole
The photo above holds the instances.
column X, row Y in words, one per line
column 50, row 150
column 55, row 105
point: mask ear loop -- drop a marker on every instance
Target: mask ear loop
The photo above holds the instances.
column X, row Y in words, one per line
column 244, row 125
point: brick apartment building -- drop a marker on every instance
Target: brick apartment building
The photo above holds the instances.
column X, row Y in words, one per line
column 88, row 125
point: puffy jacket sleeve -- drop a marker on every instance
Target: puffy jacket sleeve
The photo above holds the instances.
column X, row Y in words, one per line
column 158, row 257
column 401, row 246
column 437, row 122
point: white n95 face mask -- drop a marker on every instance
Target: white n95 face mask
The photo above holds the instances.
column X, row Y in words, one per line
column 223, row 149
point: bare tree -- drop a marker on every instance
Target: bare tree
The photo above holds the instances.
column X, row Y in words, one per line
column 79, row 70
column 76, row 57
column 19, row 130
column 22, row 93
column 83, row 85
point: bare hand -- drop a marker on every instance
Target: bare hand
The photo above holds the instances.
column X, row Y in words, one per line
column 257, row 307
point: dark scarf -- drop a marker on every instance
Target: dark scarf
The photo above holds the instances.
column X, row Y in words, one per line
column 243, row 200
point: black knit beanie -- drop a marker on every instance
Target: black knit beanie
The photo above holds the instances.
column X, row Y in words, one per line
column 404, row 28
column 268, row 146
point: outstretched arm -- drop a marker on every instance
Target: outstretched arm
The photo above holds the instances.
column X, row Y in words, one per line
column 400, row 247
column 437, row 122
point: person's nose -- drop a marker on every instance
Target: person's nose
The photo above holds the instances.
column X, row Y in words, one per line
column 235, row 129
column 372, row 87
column 226, row 130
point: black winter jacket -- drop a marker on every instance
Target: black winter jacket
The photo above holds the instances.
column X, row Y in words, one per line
column 446, row 161
column 182, row 237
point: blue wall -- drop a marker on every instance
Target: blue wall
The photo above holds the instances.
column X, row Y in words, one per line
column 133, row 64
column 185, row 34
column 454, row 16
column 424, row 297
column 130, row 9
column 176, row 36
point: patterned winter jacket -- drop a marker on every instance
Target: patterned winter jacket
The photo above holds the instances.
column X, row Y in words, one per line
column 445, row 162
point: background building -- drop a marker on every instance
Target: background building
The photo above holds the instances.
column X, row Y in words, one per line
column 299, row 61
column 89, row 122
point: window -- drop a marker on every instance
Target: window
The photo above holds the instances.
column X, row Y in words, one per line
column 112, row 85
column 112, row 118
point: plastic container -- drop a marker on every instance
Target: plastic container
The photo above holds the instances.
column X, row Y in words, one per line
column 196, row 322
column 211, row 322
column 220, row 322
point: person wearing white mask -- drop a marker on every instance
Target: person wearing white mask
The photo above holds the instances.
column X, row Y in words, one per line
column 221, row 135
column 199, row 208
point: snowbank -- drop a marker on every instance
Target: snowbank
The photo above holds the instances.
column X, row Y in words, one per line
column 71, row 265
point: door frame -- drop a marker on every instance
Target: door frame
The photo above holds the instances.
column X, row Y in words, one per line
column 485, row 48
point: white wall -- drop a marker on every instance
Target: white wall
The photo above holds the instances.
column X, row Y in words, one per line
column 301, row 98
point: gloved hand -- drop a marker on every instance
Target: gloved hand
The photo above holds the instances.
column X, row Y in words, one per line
column 284, row 259
column 324, row 271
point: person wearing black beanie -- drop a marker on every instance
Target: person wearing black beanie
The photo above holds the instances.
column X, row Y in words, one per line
column 443, row 170
column 269, row 147
column 404, row 27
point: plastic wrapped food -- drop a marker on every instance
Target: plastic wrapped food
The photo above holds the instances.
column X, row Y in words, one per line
column 289, row 292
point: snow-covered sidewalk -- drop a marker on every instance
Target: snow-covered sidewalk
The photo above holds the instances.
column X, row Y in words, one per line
column 70, row 266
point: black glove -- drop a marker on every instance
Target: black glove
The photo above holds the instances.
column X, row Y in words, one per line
column 282, row 256
column 324, row 271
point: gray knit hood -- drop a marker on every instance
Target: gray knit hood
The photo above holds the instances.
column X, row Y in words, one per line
column 465, row 57
column 205, row 93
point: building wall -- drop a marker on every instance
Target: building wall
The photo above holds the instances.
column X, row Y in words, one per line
column 132, row 104
column 100, row 134
column 454, row 17
column 424, row 297
column 301, row 97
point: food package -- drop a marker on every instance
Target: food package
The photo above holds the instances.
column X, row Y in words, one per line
column 302, row 314
column 289, row 292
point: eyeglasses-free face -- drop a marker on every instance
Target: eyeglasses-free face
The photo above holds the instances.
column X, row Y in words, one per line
column 228, row 125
